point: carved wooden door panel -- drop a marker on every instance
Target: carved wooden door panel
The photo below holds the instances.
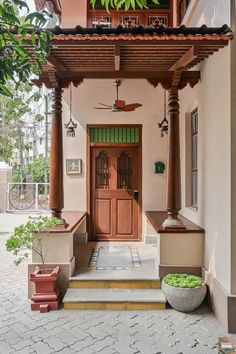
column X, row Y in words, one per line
column 114, row 193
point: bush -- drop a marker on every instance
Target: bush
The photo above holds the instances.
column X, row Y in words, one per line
column 23, row 241
column 183, row 280
column 37, row 169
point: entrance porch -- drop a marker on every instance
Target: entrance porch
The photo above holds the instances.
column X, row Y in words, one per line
column 164, row 56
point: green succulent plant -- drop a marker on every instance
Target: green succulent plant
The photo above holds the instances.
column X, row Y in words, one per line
column 183, row 280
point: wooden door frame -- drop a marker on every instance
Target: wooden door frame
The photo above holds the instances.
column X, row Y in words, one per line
column 88, row 172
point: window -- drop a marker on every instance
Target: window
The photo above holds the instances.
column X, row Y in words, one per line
column 161, row 13
column 194, row 158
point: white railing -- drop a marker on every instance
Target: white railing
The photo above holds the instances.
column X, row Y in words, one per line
column 28, row 196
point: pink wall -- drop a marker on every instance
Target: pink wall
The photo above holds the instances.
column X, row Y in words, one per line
column 74, row 13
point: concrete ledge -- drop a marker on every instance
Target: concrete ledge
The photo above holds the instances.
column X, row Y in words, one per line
column 182, row 249
column 222, row 303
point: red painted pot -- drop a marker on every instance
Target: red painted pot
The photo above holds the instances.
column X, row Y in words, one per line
column 46, row 296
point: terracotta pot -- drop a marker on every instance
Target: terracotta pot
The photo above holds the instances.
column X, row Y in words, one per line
column 46, row 296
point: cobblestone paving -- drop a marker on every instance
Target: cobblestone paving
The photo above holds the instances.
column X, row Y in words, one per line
column 88, row 332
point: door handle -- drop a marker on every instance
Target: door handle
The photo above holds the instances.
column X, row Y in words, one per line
column 135, row 194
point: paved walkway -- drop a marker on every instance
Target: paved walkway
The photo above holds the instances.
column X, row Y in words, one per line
column 87, row 332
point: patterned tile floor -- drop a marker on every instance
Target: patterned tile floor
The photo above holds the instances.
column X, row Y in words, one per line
column 114, row 258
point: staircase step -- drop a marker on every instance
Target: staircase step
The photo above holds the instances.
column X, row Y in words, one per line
column 115, row 284
column 114, row 299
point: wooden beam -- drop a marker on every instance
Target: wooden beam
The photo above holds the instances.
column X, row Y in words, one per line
column 186, row 59
column 52, row 61
column 117, row 57
column 53, row 78
column 122, row 74
column 176, row 79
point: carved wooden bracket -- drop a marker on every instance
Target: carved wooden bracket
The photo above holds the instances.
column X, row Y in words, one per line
column 178, row 80
column 65, row 83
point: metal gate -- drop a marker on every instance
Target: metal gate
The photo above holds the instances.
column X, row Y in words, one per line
column 28, row 196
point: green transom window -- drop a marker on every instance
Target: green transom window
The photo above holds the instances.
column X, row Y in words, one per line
column 114, row 135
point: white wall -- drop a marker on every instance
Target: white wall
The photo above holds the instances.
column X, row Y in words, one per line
column 212, row 97
column 85, row 97
column 213, row 13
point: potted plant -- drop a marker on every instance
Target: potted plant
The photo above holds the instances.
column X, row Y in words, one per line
column 23, row 241
column 184, row 292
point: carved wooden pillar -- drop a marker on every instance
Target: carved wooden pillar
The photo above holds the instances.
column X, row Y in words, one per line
column 173, row 172
column 56, row 158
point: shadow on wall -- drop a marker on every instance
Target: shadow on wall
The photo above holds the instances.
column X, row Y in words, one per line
column 213, row 13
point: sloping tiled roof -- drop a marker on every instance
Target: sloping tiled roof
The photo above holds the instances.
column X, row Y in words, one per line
column 145, row 52
column 144, row 31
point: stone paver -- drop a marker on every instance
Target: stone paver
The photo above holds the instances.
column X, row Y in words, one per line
column 89, row 332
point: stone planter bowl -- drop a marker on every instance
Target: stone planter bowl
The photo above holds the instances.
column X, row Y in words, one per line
column 184, row 299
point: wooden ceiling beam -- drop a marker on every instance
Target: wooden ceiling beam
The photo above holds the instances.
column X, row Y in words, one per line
column 122, row 74
column 55, row 63
column 186, row 59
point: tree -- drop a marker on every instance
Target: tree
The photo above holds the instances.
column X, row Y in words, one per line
column 7, row 146
column 127, row 4
column 24, row 44
column 16, row 119
column 37, row 169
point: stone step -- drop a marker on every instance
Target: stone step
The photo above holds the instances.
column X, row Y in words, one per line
column 114, row 299
column 76, row 283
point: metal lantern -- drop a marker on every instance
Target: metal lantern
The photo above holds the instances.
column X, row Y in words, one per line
column 164, row 123
column 71, row 125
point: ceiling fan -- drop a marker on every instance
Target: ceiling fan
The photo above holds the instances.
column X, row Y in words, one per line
column 119, row 105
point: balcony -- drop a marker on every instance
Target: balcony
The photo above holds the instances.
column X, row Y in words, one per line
column 161, row 14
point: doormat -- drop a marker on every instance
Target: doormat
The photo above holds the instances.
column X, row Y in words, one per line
column 115, row 258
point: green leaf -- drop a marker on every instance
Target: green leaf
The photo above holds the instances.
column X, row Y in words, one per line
column 4, row 90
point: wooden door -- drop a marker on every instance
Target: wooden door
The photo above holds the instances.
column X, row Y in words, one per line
column 114, row 193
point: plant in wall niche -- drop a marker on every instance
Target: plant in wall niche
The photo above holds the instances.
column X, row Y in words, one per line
column 25, row 240
column 184, row 292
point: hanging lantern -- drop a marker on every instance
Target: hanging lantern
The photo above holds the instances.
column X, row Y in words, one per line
column 71, row 125
column 164, row 123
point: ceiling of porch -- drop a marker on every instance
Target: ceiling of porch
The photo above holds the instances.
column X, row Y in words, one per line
column 162, row 55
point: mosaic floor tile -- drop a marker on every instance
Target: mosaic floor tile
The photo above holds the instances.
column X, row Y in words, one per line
column 115, row 258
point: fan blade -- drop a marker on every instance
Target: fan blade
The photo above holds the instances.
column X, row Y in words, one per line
column 102, row 107
column 103, row 104
column 131, row 107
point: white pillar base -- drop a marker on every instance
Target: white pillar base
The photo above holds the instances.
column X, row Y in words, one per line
column 171, row 223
